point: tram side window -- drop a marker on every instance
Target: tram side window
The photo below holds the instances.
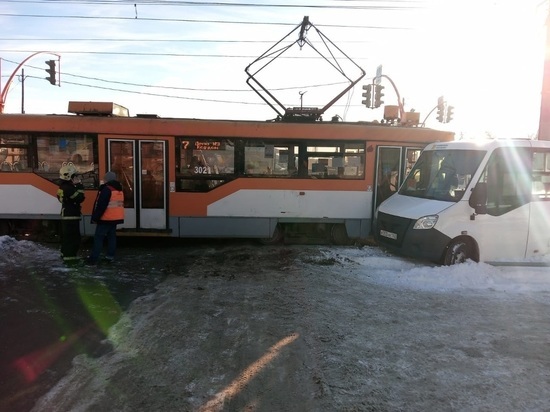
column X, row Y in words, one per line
column 336, row 161
column 311, row 159
column 55, row 152
column 204, row 163
column 541, row 176
column 277, row 159
column 14, row 153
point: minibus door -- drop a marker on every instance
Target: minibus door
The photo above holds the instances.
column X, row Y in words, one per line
column 140, row 166
column 538, row 243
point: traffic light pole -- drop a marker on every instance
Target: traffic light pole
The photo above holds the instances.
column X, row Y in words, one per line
column 399, row 101
column 4, row 92
column 428, row 115
column 22, row 91
column 444, row 111
column 544, row 118
column 373, row 95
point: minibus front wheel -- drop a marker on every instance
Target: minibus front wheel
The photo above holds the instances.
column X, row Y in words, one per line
column 459, row 251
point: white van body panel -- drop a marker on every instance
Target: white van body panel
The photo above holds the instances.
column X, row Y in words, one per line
column 519, row 234
column 498, row 237
column 538, row 243
column 412, row 207
column 490, row 232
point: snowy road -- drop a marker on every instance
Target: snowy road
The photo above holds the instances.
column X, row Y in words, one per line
column 315, row 328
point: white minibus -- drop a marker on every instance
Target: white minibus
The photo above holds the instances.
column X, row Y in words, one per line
column 487, row 201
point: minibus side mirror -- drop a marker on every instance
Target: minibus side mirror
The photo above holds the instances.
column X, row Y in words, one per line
column 478, row 198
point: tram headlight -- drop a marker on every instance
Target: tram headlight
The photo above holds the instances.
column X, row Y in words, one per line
column 426, row 222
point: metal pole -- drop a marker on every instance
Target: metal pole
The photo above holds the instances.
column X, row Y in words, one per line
column 22, row 91
column 544, row 120
column 399, row 101
column 6, row 89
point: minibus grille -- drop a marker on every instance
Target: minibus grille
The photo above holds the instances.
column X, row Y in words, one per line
column 391, row 225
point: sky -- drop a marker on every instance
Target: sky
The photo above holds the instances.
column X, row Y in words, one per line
column 188, row 58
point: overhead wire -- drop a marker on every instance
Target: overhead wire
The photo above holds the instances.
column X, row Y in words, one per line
column 146, row 40
column 223, row 4
column 155, row 94
column 174, row 20
column 167, row 95
column 225, row 56
column 168, row 87
column 184, row 3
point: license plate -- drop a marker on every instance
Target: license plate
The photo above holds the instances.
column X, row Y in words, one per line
column 389, row 235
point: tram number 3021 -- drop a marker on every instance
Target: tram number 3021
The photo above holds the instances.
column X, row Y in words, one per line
column 201, row 170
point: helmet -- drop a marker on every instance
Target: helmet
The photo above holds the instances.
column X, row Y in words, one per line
column 67, row 172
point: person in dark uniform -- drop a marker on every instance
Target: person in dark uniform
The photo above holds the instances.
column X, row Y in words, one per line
column 71, row 196
column 107, row 214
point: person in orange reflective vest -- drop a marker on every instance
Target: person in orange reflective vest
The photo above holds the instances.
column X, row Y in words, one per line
column 108, row 212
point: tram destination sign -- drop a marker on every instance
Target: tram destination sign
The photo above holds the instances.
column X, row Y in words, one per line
column 210, row 144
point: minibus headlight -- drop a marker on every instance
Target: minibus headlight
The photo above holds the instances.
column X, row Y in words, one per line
column 426, row 222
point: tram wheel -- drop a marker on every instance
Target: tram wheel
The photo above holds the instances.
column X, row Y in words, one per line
column 339, row 235
column 277, row 237
column 4, row 228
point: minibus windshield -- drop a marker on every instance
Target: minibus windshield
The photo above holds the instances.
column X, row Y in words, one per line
column 442, row 174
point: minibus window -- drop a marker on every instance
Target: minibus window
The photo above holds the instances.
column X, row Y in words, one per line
column 508, row 178
column 540, row 187
column 442, row 174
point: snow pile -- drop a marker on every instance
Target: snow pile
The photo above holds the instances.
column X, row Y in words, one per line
column 14, row 252
column 10, row 246
column 372, row 263
column 379, row 267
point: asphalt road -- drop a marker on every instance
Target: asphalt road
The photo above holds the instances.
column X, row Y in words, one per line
column 237, row 326
column 50, row 313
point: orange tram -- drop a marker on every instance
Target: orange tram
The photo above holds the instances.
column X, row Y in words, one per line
column 195, row 178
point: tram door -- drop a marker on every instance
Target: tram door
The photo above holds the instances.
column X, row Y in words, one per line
column 140, row 166
column 393, row 163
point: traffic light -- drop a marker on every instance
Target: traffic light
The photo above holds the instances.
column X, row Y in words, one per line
column 440, row 109
column 367, row 95
column 51, row 72
column 449, row 114
column 378, row 95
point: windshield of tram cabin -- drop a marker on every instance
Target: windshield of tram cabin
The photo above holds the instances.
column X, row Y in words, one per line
column 442, row 174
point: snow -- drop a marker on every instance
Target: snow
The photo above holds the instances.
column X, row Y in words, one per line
column 14, row 253
column 381, row 268
column 377, row 266
column 365, row 330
